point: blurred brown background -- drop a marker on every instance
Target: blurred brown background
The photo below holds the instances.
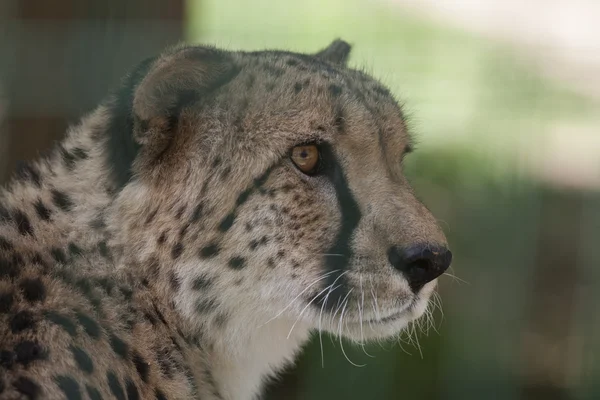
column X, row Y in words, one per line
column 61, row 57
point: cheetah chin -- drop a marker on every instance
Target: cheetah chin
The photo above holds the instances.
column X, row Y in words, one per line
column 188, row 236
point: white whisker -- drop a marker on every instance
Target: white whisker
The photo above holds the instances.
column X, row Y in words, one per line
column 300, row 294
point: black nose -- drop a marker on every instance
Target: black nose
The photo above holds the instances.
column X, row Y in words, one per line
column 420, row 264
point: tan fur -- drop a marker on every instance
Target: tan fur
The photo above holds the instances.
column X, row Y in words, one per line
column 199, row 272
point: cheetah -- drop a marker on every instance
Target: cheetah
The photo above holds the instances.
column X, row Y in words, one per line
column 189, row 235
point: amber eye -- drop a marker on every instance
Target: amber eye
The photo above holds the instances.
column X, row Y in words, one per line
column 306, row 158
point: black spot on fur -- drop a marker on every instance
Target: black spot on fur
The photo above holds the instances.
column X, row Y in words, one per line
column 21, row 321
column 7, row 359
column 142, row 366
column 59, row 255
column 271, row 263
column 80, row 153
column 106, row 284
column 197, row 214
column 67, row 157
column 160, row 315
column 339, row 122
column 27, row 387
column 227, row 222
column 75, row 250
column 180, row 212
column 151, row 318
column 93, row 393
column 174, row 281
column 115, row 386
column 103, row 248
column 162, row 238
column 8, row 268
column 164, row 362
column 4, row 215
column 82, row 358
column 61, row 200
column 28, row 172
column 5, row 244
column 274, row 71
column 23, row 224
column 29, row 351
column 209, row 251
column 237, row 262
column 98, row 223
column 17, row 260
column 205, row 305
column 335, row 90
column 33, row 289
column 216, row 162
column 183, row 231
column 243, row 197
column 69, row 387
column 201, row 283
column 90, row 326
column 160, row 395
column 43, row 212
column 63, row 321
column 225, row 173
column 37, row 259
column 176, row 251
column 119, row 346
column 6, row 301
column 126, row 291
column 221, row 320
column 132, row 390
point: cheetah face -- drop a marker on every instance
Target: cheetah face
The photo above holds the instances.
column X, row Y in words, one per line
column 287, row 173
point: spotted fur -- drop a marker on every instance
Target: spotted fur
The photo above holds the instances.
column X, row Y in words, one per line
column 168, row 248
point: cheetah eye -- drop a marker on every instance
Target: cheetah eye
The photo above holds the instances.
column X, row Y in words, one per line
column 306, row 158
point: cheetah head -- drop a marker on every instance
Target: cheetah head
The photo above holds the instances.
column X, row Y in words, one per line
column 275, row 189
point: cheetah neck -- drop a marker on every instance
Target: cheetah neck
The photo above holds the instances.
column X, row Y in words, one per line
column 58, row 202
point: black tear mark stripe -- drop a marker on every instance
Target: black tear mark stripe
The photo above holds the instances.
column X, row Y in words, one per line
column 350, row 218
column 229, row 219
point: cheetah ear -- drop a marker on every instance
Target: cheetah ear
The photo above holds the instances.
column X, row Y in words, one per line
column 173, row 82
column 337, row 52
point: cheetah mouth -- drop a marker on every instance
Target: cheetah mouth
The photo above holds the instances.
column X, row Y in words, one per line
column 390, row 318
column 403, row 313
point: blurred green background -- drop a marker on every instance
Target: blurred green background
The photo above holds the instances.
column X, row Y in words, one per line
column 500, row 163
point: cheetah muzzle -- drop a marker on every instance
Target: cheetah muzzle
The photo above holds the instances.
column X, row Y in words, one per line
column 187, row 236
